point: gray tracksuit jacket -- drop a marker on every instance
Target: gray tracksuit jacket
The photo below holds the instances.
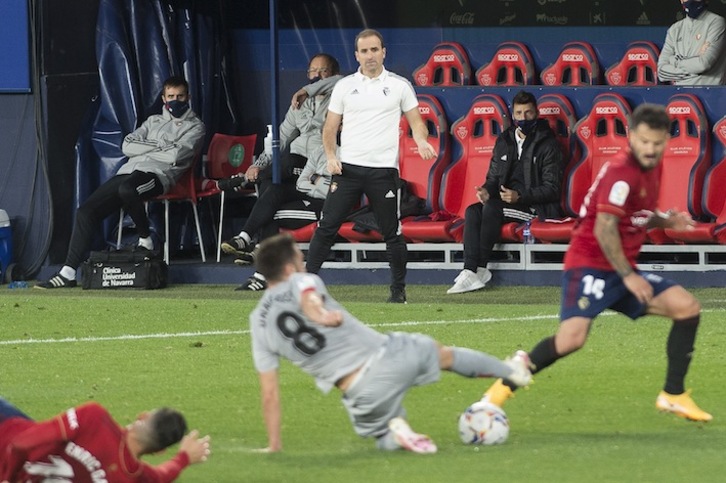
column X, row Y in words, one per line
column 164, row 145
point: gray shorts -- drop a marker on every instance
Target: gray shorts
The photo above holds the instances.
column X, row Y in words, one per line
column 405, row 360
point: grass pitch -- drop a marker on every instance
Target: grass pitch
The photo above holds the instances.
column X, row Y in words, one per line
column 590, row 417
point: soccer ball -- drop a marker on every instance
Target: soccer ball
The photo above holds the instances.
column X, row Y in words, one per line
column 483, row 423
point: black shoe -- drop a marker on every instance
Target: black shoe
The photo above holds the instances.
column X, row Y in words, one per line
column 57, row 281
column 234, row 183
column 398, row 296
column 255, row 283
column 236, row 246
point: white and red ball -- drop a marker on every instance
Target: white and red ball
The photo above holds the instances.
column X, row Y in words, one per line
column 483, row 423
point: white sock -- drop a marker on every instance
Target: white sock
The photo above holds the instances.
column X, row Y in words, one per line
column 68, row 273
column 146, row 242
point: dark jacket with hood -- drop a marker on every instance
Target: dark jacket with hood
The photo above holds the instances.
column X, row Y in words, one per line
column 542, row 165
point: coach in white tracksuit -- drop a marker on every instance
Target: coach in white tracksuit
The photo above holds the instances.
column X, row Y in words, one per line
column 371, row 102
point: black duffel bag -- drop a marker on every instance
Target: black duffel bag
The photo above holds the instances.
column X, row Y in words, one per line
column 137, row 268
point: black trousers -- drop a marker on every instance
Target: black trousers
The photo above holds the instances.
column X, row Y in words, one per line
column 127, row 191
column 482, row 227
column 274, row 197
column 380, row 186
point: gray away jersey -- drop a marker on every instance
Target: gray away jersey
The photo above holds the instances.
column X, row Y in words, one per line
column 279, row 329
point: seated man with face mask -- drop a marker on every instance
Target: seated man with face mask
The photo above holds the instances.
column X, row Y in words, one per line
column 523, row 182
column 159, row 152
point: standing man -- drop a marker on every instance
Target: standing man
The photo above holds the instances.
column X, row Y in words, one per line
column 693, row 52
column 371, row 102
column 159, row 153
column 524, row 180
column 84, row 443
column 298, row 320
column 600, row 271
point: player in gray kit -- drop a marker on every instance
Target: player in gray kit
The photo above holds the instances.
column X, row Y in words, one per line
column 298, row 320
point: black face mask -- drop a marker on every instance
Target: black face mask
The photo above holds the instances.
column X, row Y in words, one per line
column 177, row 108
column 526, row 126
column 693, row 8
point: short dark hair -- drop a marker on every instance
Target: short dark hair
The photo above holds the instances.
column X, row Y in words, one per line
column 331, row 61
column 167, row 426
column 175, row 81
column 524, row 97
column 369, row 33
column 653, row 115
column 274, row 253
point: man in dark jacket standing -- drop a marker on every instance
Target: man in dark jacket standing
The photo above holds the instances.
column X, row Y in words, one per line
column 524, row 181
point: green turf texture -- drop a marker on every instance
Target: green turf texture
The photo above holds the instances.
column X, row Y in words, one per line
column 590, row 417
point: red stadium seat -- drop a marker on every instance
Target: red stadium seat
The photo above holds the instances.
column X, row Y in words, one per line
column 423, row 176
column 686, row 163
column 638, row 67
column 601, row 135
column 476, row 132
column 512, row 65
column 557, row 110
column 303, row 234
column 687, row 156
column 448, row 65
column 576, row 65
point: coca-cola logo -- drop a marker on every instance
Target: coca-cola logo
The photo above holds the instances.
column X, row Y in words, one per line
column 465, row 18
column 606, row 110
column 572, row 57
column 484, row 110
column 444, row 58
column 549, row 111
column 508, row 57
column 638, row 57
column 675, row 110
column 462, row 132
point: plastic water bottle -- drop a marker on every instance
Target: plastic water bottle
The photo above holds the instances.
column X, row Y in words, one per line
column 527, row 233
column 268, row 140
column 18, row 284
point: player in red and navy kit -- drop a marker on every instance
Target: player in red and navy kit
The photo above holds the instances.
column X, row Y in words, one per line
column 84, row 444
column 600, row 265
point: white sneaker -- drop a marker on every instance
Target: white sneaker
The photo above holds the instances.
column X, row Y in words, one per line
column 466, row 281
column 408, row 440
column 520, row 364
column 484, row 275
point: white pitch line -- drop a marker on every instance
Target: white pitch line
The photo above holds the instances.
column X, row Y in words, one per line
column 173, row 335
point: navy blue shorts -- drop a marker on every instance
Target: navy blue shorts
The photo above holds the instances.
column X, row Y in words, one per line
column 586, row 292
